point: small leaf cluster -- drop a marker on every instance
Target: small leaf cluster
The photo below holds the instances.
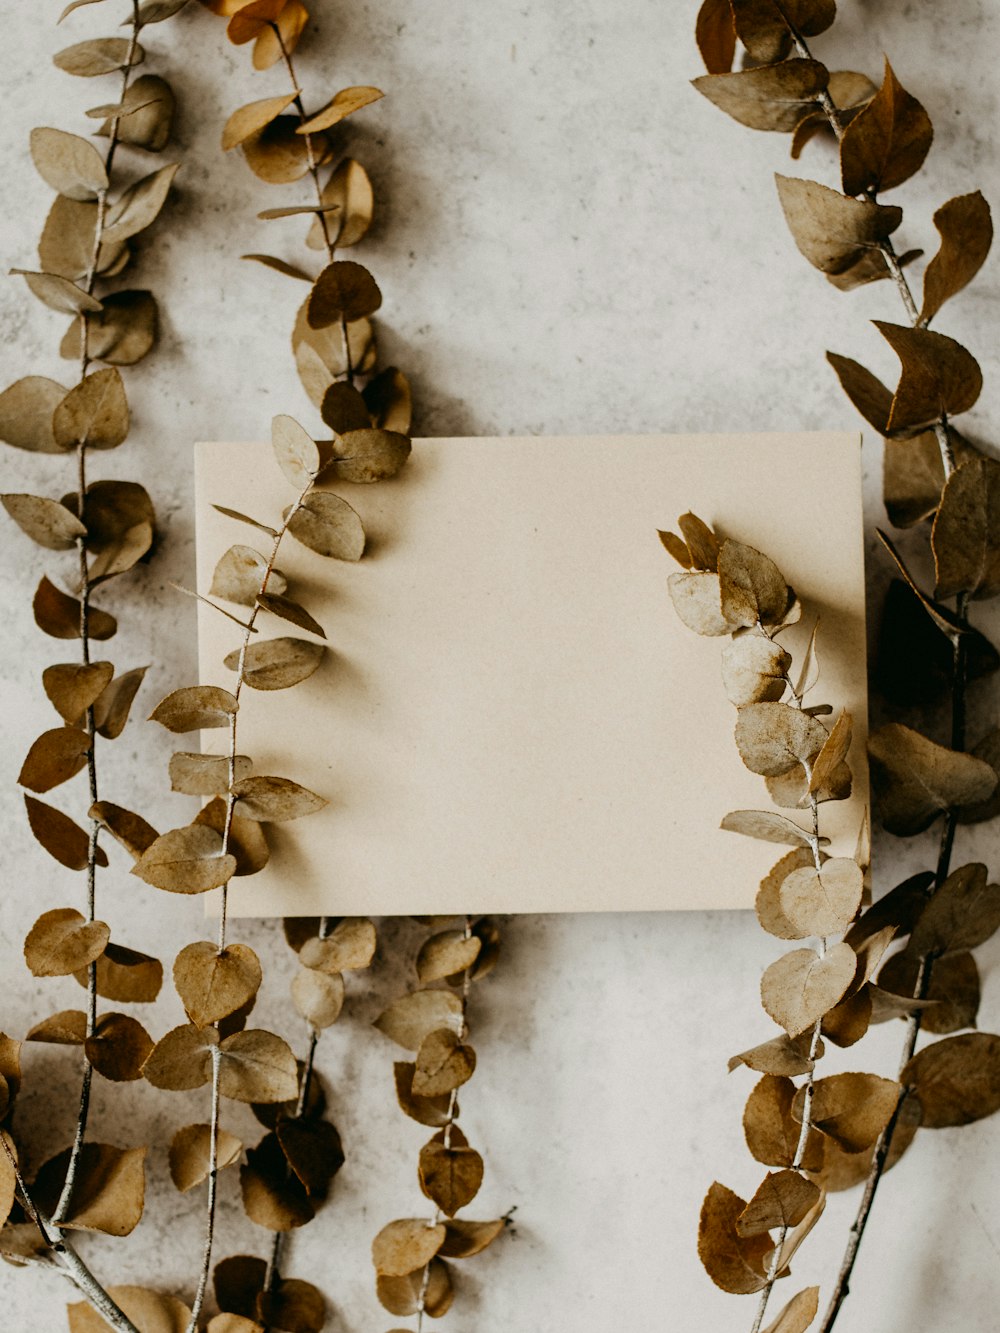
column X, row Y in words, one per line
column 410, row 1255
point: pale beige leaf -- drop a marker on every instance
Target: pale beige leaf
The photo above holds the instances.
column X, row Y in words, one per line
column 349, row 946
column 58, row 293
column 318, row 997
column 773, row 97
column 825, row 901
column 277, row 664
column 773, row 738
column 269, row 798
column 69, row 164
column 205, row 774
column 754, row 670
column 328, row 525
column 45, row 521
column 798, row 1314
column 830, row 229
column 799, row 988
column 767, row 826
column 697, row 600
column 296, row 451
column 140, row 204
column 26, row 409
column 410, row 1019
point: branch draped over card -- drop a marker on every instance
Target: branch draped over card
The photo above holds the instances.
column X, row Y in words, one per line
column 510, row 718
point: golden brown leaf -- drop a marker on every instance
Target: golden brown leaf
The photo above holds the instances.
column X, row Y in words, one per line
column 822, row 902
column 367, row 455
column 781, row 1055
column 293, row 1305
column 446, row 954
column 715, row 34
column 782, row 1200
column 212, row 985
column 342, row 104
column 276, row 154
column 865, row 390
column 190, row 1154
column 966, row 230
column 204, row 774
column 54, row 758
column 764, row 28
column 773, row 738
column 118, row 1047
column 410, row 1019
column 939, row 377
column 871, row 267
column 772, row 97
column 251, row 119
column 110, row 1188
column 26, row 409
column 402, row 1295
column 832, row 230
column 63, row 940
column 444, row 1062
column 291, row 24
column 186, row 860
column 60, row 836
column 149, row 1311
column 257, row 1066
column 833, row 753
column 246, row 837
column 886, row 142
column 69, row 164
column 125, row 976
column 697, row 599
column 848, row 1021
column 916, row 780
column 771, row 1133
column 349, row 946
column 238, row 1280
column 94, row 412
column 405, row 1246
column 752, row 588
column 72, row 687
column 464, row 1239
column 145, row 114
column 239, row 576
column 195, row 708
column 735, row 1264
column 124, row 331
column 962, row 914
column 798, row 1314
column 799, row 988
column 966, row 532
column 292, row 612
column 181, row 1060
column 433, row 1111
column 349, row 192
column 954, row 990
column 754, row 670
column 133, row 832
column 852, row 1109
column 450, row 1175
column 67, row 1028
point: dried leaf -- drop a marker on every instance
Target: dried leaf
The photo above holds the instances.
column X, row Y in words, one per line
column 322, row 354
column 715, row 34
column 145, row 115
column 343, row 291
column 67, row 1028
column 190, row 1154
column 966, row 532
column 368, row 455
column 118, row 1047
column 267, row 798
column 848, row 1021
column 953, row 992
column 767, row 826
column 276, row 154
column 831, row 230
column 232, row 1323
column 446, row 954
column 291, row 24
column 250, row 120
column 100, row 55
column 205, row 774
column 772, row 97
column 832, row 755
column 773, row 738
column 186, row 860
column 287, row 609
column 915, row 780
column 962, row 914
column 782, row 1200
column 182, row 1060
column 772, row 1134
column 125, row 976
column 244, row 518
column 296, row 451
column 465, row 1239
column 45, row 521
column 60, row 836
column 213, row 984
column 273, row 1196
column 871, row 267
column 868, row 394
column 752, row 588
column 406, row 1245
column 898, row 909
column 764, row 27
column 328, row 525
column 781, row 1055
column 257, row 1066
column 851, row 1109
column 195, row 708
column 966, row 230
column 63, row 940
column 113, row 704
column 434, row 1111
column 886, row 143
column 450, row 1174
column 280, row 266
column 317, row 997
column 246, row 837
column 314, row 1152
column 733, row 1263
column 69, row 164
column 109, row 1192
column 293, row 1305
column 697, row 599
column 54, row 758
column 149, row 1311
column 770, row 912
column 429, row 1289
column 72, row 687
column 798, row 989
column 240, row 573
column 349, row 946
column 58, row 293
column 957, row 1080
column 798, row 1314
column 988, row 749
column 26, row 409
column 444, row 1062
column 754, row 669
column 121, row 333
column 413, row 1017
column 139, row 206
column 939, row 377
column 94, row 413
column 825, row 901
column 277, row 664
column 349, row 193
column 238, row 1281
column 342, row 104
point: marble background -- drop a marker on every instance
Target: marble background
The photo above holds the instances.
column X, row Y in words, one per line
column 569, row 240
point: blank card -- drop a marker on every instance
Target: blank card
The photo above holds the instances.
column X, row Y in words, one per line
column 510, row 716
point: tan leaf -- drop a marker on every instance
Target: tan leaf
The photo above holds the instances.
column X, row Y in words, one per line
column 953, row 993
column 277, row 664
column 233, row 1323
column 781, row 1055
column 406, row 1245
column 269, row 798
column 782, row 1200
column 733, row 1263
column 63, row 940
column 67, row 1028
column 798, row 989
column 342, row 104
column 276, row 154
column 204, row 774
column 465, row 1239
column 450, row 1175
column 145, row 114
column 190, row 1154
column 287, row 609
column 212, row 985
column 754, row 670
column 767, row 826
column 833, row 753
column 293, row 1305
column 182, row 1060
column 58, row 293
column 349, row 192
column 110, row 1189
column 768, row 906
column 752, row 588
column 349, row 946
column 273, row 1196
column 296, row 451
column 45, row 521
column 318, row 997
column 446, row 954
column 72, row 687
column 100, row 55
column 257, row 1066
column 328, row 525
column 871, row 267
column 239, row 576
column 250, row 119
column 94, row 413
column 124, row 331
column 962, row 914
column 291, row 24
column 118, row 1047
column 886, row 142
column 26, row 409
column 966, row 230
column 851, row 1109
column 429, row 1288
column 772, row 97
column 966, row 532
column 410, row 1019
column 195, row 708
column 773, row 738
column 763, row 27
column 54, row 758
column 343, row 291
column 913, row 475
column 956, row 1080
column 246, row 837
column 60, row 836
column 916, row 780
column 939, row 377
column 697, row 600
column 830, row 229
column 186, row 860
column 825, row 901
column 444, row 1062
column 367, row 456
column 140, row 204
column 798, row 1314
column 771, row 1132
column 69, row 164
column 149, row 1311
column 434, row 1111
column 125, row 976
column 321, row 354
column 848, row 1021
column 131, row 830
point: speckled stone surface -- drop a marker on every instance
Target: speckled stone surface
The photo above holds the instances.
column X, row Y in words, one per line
column 569, row 240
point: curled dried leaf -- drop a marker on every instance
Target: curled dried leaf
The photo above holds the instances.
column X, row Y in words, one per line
column 966, row 229
column 190, row 1154
column 434, row 1111
column 139, row 206
column 447, row 953
column 771, row 97
column 735, row 1264
column 145, row 114
column 886, row 142
column 367, row 455
column 465, row 1239
column 118, row 1047
column 833, row 231
column 852, row 1109
column 67, row 1028
column 109, row 1192
column 72, row 687
column 246, row 837
column 349, row 194
column 782, row 1199
column 125, row 976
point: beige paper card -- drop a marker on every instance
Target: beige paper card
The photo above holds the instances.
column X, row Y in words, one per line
column 511, row 717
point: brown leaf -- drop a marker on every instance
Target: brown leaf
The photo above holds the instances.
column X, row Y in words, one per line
column 833, row 753
column 987, row 749
column 752, row 588
column 54, row 758
column 257, row 1066
column 45, row 521
column 450, row 1175
column 798, row 989
column 365, row 455
column 277, row 155
column 131, row 830
column 320, row 354
column 110, row 1187
column 446, row 954
column 344, row 409
column 343, row 291
column 389, row 400
column 767, row 826
column 145, row 114
column 733, row 1263
column 69, row 164
column 125, row 976
column 915, row 780
column 954, row 990
column 771, row 1133
column 251, row 119
column 213, row 984
column 822, row 902
column 273, row 1196
column 66, row 246
column 269, row 798
column 63, row 940
column 124, row 331
column 754, row 669
column 957, row 1080
column 465, row 1239
column 233, row 1323
column 149, row 1311
column 238, row 1280
column 886, row 143
column 67, row 1028
column 410, row 1019
column 871, row 267
column 342, row 104
column 865, row 390
column 58, row 293
column 140, row 204
column 72, row 687
column 60, row 836
column 715, row 34
column 798, row 1314
column 182, row 1060
column 292, row 1305
column 898, row 909
column 195, row 708
column 962, row 914
column 291, row 24
column 118, row 1047
column 280, row 266
column 771, row 97
column 782, row 1200
column 26, row 409
column 430, row 1289
column 204, row 774
column 851, row 1109
column 849, row 91
column 277, row 664
column 239, row 576
column 763, row 27
column 246, row 837
column 349, row 192
column 286, row 609
column 349, row 946
column 317, row 997
column 773, row 738
column 244, row 518
column 314, row 1152
column 966, row 230
column 443, row 1063
column 94, row 412
column 966, row 532
column 781, row 1055
column 434, row 1111
column 186, row 860
column 328, row 525
column 405, row 1246
column 833, row 231
column 939, row 377
column 190, row 1154
column 913, row 476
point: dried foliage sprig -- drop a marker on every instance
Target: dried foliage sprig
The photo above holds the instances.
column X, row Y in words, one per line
column 109, row 526
column 413, row 1277
column 883, row 135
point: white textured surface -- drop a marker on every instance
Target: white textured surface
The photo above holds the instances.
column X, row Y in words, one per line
column 571, row 240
